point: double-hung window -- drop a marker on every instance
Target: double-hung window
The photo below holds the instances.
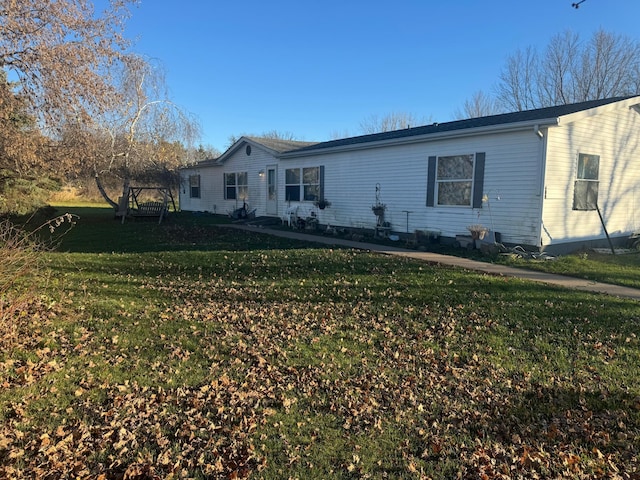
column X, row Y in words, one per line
column 236, row 186
column 456, row 180
column 304, row 184
column 194, row 186
column 585, row 191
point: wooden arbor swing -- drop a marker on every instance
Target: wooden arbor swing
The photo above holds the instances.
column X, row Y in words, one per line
column 131, row 204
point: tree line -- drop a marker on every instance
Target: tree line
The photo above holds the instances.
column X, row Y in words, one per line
column 569, row 69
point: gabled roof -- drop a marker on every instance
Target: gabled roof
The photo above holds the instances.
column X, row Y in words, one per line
column 542, row 116
column 274, row 146
column 279, row 145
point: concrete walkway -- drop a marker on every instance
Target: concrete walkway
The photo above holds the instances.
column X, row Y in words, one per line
column 466, row 263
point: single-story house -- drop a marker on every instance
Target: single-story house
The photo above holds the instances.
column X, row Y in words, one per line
column 550, row 179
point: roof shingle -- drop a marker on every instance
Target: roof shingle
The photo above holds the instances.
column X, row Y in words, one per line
column 502, row 119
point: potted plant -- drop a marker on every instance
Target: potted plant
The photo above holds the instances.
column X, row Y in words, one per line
column 378, row 209
column 322, row 204
column 477, row 231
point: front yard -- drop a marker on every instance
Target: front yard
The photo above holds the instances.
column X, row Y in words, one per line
column 187, row 350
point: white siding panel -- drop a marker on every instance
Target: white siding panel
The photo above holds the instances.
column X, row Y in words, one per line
column 212, row 183
column 615, row 137
column 512, row 183
column 208, row 191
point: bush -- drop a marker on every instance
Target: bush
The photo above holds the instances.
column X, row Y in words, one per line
column 22, row 270
column 22, row 196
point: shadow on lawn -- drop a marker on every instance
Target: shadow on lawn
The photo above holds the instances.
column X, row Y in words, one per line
column 581, row 420
column 97, row 230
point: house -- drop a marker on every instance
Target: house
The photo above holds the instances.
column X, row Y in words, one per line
column 549, row 179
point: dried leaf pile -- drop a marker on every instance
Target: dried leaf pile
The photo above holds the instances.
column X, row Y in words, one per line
column 315, row 364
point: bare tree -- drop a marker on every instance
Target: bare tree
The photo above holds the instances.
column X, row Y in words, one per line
column 517, row 81
column 60, row 53
column 389, row 122
column 144, row 131
column 479, row 105
column 558, row 67
column 610, row 66
column 569, row 71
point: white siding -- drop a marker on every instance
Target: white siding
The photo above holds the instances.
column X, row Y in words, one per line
column 212, row 183
column 210, row 190
column 512, row 173
column 615, row 137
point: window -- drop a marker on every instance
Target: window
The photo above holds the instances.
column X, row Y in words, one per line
column 194, row 186
column 456, row 180
column 243, row 186
column 236, row 186
column 230, row 186
column 585, row 192
column 304, row 184
column 292, row 184
column 311, row 183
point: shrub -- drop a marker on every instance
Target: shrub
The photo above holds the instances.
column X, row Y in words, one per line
column 22, row 269
column 22, row 196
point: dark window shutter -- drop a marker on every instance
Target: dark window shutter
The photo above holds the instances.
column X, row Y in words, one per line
column 431, row 181
column 478, row 180
column 321, row 192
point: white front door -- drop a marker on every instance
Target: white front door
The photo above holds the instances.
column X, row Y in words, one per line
column 272, row 190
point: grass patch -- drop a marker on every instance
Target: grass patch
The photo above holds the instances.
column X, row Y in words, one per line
column 188, row 350
column 623, row 269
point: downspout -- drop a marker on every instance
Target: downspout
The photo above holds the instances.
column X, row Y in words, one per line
column 541, row 179
column 536, row 129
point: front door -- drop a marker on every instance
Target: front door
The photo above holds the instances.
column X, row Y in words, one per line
column 272, row 190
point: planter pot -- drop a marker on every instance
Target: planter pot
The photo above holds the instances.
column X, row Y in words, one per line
column 465, row 241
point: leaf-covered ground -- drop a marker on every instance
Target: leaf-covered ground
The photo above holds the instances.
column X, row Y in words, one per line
column 239, row 361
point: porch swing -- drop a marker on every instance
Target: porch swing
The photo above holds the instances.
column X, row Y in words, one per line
column 134, row 206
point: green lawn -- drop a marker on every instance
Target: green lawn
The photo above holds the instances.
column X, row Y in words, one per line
column 187, row 350
column 621, row 269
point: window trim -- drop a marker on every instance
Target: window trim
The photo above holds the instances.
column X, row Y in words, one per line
column 298, row 192
column 305, row 186
column 585, row 188
column 477, row 182
column 290, row 187
column 194, row 185
column 451, row 180
column 236, row 190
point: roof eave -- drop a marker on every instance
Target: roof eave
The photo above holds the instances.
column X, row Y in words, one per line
column 535, row 125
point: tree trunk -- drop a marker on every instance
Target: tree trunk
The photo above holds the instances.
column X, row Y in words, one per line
column 105, row 195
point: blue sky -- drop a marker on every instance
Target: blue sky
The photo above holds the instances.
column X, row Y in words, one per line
column 316, row 69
